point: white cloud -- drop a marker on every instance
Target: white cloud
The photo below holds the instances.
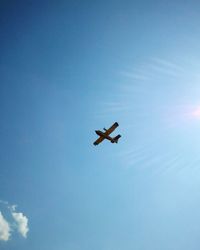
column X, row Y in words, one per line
column 22, row 223
column 19, row 222
column 4, row 228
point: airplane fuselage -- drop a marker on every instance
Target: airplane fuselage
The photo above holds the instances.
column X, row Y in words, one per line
column 103, row 134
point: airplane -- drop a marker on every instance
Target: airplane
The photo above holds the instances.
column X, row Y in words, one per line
column 106, row 135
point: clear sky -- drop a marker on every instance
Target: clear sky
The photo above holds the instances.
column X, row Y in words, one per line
column 68, row 68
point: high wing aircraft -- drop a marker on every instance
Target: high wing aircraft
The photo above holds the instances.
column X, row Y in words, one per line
column 106, row 135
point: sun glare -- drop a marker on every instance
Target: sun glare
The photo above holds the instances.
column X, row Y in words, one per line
column 196, row 112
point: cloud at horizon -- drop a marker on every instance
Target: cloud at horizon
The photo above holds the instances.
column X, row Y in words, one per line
column 19, row 222
column 4, row 228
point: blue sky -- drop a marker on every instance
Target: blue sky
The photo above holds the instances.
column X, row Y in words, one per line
column 71, row 67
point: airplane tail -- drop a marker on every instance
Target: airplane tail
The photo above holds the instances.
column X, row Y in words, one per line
column 115, row 139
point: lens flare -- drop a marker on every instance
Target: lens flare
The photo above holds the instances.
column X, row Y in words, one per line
column 159, row 113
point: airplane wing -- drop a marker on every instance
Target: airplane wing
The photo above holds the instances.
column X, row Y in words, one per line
column 99, row 140
column 112, row 128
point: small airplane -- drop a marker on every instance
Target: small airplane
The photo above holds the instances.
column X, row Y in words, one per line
column 106, row 135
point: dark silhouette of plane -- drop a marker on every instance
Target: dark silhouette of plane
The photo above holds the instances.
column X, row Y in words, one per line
column 106, row 135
